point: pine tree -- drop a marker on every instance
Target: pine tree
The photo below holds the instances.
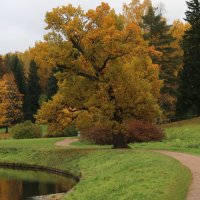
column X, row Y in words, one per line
column 10, row 101
column 18, row 72
column 156, row 32
column 17, row 69
column 34, row 89
column 189, row 99
column 52, row 84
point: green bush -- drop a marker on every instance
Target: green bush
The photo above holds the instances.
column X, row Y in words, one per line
column 70, row 131
column 26, row 130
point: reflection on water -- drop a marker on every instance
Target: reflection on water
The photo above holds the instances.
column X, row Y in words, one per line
column 19, row 185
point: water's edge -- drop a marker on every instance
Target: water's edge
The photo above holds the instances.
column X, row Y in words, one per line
column 20, row 166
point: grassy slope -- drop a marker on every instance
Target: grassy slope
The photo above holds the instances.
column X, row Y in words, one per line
column 106, row 173
column 180, row 136
column 130, row 175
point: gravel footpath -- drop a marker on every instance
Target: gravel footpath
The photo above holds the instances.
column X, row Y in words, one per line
column 193, row 163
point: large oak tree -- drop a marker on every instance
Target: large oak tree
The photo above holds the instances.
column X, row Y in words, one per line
column 107, row 75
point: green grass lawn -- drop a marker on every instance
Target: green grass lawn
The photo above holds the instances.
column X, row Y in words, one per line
column 106, row 173
column 134, row 173
column 180, row 136
column 127, row 175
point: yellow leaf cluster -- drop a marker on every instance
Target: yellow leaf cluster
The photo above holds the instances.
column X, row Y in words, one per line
column 10, row 101
column 108, row 77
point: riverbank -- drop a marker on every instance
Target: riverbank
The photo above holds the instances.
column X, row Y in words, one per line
column 105, row 173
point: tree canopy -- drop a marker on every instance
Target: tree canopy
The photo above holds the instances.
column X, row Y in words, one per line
column 108, row 75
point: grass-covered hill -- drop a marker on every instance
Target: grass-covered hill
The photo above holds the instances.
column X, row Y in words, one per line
column 180, row 136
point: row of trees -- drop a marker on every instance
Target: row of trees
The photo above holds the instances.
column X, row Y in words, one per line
column 189, row 99
column 147, row 19
column 20, row 92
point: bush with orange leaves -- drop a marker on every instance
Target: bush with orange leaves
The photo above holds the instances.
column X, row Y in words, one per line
column 140, row 131
column 98, row 134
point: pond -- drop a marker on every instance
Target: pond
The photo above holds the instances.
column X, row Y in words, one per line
column 24, row 185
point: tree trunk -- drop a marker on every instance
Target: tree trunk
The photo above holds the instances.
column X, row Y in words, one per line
column 119, row 141
column 6, row 129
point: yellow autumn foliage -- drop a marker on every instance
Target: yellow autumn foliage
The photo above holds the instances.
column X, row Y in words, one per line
column 10, row 101
column 108, row 76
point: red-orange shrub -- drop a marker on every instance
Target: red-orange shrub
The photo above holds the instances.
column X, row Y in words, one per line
column 139, row 131
column 98, row 134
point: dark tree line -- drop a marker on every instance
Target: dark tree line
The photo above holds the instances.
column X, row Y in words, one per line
column 27, row 83
column 189, row 98
column 157, row 33
column 186, row 87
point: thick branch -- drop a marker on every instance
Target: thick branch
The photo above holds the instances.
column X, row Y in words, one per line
column 88, row 76
column 77, row 46
column 111, row 58
column 104, row 64
column 92, row 60
column 80, row 73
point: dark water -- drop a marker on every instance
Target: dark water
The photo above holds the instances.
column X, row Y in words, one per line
column 21, row 185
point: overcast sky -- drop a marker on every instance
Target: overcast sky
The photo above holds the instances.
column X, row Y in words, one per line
column 22, row 21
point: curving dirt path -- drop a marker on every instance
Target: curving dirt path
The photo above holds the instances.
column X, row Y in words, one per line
column 66, row 142
column 193, row 163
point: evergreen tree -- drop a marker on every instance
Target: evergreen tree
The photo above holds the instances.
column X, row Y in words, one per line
column 34, row 89
column 189, row 99
column 16, row 66
column 18, row 72
column 52, row 84
column 156, row 32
